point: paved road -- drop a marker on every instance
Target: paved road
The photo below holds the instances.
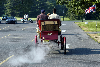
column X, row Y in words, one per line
column 17, row 48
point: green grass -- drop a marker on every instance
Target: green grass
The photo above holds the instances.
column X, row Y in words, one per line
column 65, row 19
column 91, row 26
column 98, row 34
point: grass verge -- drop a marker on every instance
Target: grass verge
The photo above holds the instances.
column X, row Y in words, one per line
column 91, row 27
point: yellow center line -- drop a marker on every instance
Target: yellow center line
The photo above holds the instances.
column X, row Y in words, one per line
column 5, row 36
column 9, row 35
column 26, row 27
column 33, row 40
column 6, row 59
column 4, row 28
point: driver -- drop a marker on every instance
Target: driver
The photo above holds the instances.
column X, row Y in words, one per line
column 42, row 16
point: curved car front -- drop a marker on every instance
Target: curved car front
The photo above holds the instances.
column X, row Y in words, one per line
column 11, row 20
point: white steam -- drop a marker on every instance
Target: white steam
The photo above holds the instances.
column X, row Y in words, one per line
column 30, row 54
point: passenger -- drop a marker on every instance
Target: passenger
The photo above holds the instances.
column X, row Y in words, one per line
column 54, row 15
column 42, row 16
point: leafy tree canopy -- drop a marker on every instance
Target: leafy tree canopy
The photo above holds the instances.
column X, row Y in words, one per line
column 78, row 7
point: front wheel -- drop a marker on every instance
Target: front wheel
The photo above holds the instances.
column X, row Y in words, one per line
column 36, row 39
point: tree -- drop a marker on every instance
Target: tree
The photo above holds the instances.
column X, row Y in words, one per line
column 8, row 7
column 48, row 5
column 32, row 7
column 78, row 7
column 2, row 7
column 15, row 7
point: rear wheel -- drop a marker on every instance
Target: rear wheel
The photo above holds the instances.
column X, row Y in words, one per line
column 64, row 45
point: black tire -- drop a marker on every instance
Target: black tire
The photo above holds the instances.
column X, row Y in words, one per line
column 31, row 21
column 62, row 43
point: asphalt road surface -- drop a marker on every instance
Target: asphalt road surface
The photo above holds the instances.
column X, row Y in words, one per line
column 18, row 49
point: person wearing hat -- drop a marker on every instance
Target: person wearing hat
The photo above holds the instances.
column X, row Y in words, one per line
column 42, row 16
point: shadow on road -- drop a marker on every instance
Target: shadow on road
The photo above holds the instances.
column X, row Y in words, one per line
column 71, row 34
column 82, row 51
column 24, row 23
column 79, row 51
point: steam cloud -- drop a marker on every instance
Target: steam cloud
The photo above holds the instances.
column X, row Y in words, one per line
column 30, row 54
